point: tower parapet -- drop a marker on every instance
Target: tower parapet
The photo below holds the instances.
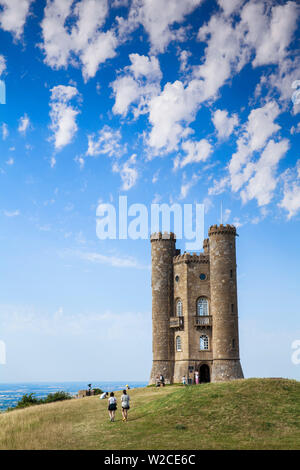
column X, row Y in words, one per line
column 191, row 258
column 222, row 230
column 156, row 236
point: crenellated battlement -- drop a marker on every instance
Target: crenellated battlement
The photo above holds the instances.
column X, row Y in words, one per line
column 191, row 258
column 222, row 229
column 162, row 236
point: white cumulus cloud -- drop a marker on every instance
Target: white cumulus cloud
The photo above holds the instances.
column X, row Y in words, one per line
column 258, row 129
column 85, row 43
column 2, row 64
column 269, row 35
column 170, row 112
column 13, row 14
column 195, row 151
column 230, row 6
column 106, row 142
column 224, row 124
column 262, row 184
column 24, row 124
column 128, row 172
column 4, row 130
column 63, row 115
column 291, row 194
column 139, row 82
column 158, row 18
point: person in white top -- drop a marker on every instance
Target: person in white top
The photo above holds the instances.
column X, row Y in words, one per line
column 103, row 395
column 112, row 406
column 125, row 398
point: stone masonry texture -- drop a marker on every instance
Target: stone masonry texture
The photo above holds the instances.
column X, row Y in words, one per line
column 211, row 275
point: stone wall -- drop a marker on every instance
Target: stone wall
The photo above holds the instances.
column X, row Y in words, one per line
column 189, row 287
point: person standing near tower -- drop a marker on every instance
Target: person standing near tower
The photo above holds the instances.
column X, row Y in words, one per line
column 112, row 406
column 125, row 398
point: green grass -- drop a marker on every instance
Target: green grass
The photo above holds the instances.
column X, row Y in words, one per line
column 243, row 414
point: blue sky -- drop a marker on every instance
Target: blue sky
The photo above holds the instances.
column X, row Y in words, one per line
column 192, row 102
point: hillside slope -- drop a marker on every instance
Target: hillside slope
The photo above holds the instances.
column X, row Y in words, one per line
column 244, row 414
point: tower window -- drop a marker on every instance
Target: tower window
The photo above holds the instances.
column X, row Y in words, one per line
column 202, row 306
column 178, row 343
column 179, row 308
column 202, row 277
column 176, row 278
column 232, row 308
column 203, row 343
column 233, row 343
column 231, row 273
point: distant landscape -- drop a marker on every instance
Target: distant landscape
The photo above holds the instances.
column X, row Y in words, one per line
column 242, row 414
column 11, row 393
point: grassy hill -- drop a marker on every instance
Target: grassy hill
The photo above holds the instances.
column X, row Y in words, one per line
column 244, row 414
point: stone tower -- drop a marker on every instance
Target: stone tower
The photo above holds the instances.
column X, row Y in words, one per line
column 224, row 311
column 162, row 254
column 194, row 309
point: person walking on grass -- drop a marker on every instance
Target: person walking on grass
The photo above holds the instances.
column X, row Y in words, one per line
column 112, row 406
column 125, row 398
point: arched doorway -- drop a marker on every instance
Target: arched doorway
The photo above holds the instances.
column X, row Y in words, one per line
column 204, row 374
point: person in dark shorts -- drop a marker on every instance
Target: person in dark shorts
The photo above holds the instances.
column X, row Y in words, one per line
column 125, row 398
column 112, row 406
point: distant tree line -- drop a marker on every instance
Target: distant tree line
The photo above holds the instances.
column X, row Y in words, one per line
column 29, row 399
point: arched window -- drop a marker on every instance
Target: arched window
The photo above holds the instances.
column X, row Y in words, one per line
column 202, row 306
column 179, row 308
column 178, row 343
column 203, row 343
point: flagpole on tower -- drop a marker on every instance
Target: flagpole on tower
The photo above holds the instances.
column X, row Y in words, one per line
column 221, row 212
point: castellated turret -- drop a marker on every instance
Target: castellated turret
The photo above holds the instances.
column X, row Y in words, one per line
column 224, row 307
column 162, row 253
column 194, row 309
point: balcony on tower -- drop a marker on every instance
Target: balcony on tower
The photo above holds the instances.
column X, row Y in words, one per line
column 177, row 322
column 203, row 320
